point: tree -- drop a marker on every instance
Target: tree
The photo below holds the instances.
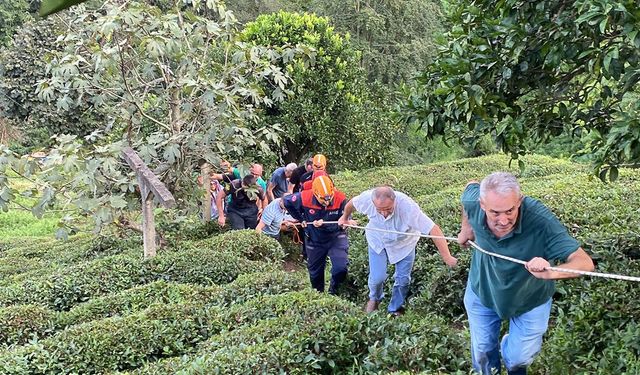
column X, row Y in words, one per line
column 396, row 37
column 528, row 71
column 22, row 67
column 12, row 15
column 329, row 107
column 177, row 87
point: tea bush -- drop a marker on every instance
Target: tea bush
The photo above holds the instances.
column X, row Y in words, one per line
column 116, row 343
column 250, row 244
column 308, row 332
column 431, row 178
column 19, row 324
column 68, row 287
column 137, row 299
column 23, row 322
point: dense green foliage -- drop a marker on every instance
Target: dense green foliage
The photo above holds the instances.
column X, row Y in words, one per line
column 127, row 68
column 12, row 15
column 22, row 66
column 525, row 72
column 328, row 108
column 396, row 38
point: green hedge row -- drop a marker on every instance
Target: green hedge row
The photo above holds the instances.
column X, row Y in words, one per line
column 431, row 178
column 19, row 324
column 247, row 243
column 73, row 285
column 30, row 257
column 307, row 332
column 116, row 343
column 180, row 316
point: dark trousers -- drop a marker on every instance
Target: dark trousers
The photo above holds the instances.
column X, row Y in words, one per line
column 242, row 219
column 338, row 251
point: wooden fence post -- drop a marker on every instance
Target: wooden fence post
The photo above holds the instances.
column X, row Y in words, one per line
column 150, row 186
column 206, row 181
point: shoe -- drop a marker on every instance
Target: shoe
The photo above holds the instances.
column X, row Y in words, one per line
column 371, row 306
column 397, row 313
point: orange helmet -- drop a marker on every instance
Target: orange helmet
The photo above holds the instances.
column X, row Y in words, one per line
column 319, row 162
column 323, row 190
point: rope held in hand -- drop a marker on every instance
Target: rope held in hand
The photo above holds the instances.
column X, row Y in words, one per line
column 475, row 245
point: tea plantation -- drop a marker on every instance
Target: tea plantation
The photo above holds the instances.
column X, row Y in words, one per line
column 218, row 302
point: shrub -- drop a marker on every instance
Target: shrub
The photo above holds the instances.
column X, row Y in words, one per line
column 137, row 299
column 250, row 244
column 252, row 285
column 19, row 324
column 70, row 286
column 308, row 332
column 428, row 179
column 116, row 343
column 275, row 332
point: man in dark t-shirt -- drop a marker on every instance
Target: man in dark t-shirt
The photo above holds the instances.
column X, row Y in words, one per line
column 295, row 184
column 246, row 200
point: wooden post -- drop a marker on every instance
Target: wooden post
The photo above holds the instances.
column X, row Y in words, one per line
column 206, row 181
column 150, row 187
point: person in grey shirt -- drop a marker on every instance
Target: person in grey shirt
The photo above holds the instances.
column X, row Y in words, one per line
column 393, row 211
column 273, row 218
column 279, row 182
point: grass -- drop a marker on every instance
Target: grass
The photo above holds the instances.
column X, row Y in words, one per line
column 18, row 221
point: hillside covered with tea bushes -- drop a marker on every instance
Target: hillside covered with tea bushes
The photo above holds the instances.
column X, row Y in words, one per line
column 215, row 301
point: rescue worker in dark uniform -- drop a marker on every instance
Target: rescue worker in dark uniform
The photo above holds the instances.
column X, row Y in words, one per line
column 312, row 207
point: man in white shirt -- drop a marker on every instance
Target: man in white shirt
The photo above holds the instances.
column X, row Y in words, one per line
column 393, row 211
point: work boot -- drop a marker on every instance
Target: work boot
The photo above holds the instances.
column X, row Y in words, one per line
column 371, row 306
column 397, row 313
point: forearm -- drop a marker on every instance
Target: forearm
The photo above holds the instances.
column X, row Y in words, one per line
column 219, row 204
column 348, row 210
column 441, row 244
column 579, row 261
column 260, row 226
column 466, row 231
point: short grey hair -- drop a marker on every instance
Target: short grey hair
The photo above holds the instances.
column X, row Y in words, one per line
column 290, row 167
column 501, row 183
column 383, row 193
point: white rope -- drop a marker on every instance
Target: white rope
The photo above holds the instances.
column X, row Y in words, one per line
column 454, row 239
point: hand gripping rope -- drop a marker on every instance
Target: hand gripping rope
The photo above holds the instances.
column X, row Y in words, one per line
column 473, row 244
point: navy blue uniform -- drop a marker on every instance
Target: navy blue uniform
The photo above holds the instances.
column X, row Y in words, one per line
column 326, row 240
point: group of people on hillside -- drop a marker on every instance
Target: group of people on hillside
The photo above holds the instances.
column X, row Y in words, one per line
column 495, row 216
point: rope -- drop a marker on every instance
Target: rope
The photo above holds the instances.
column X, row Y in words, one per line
column 473, row 244
column 296, row 236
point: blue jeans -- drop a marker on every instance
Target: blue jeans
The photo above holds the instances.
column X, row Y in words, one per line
column 378, row 275
column 518, row 347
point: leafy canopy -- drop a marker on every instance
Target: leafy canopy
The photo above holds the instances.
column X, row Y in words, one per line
column 525, row 72
column 177, row 87
column 329, row 108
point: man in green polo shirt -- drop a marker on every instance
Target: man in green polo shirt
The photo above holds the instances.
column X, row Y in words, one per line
column 499, row 219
